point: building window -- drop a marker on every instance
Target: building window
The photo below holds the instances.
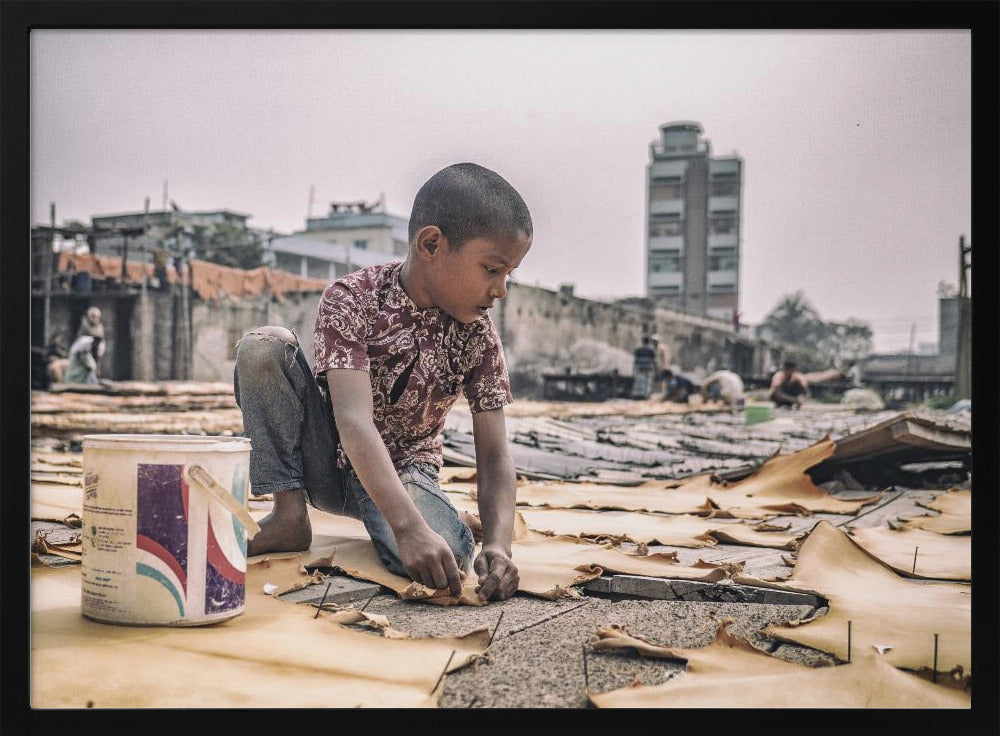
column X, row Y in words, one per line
column 663, row 227
column 723, row 260
column 723, row 223
column 665, row 189
column 361, row 244
column 664, row 262
column 724, row 185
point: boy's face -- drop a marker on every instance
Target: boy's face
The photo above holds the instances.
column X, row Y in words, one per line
column 467, row 282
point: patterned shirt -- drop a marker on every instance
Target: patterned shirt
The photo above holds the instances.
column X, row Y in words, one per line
column 419, row 360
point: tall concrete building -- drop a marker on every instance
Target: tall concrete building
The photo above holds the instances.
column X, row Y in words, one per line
column 693, row 223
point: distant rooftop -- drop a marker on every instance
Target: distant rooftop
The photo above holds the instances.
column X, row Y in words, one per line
column 683, row 125
column 351, row 215
column 160, row 214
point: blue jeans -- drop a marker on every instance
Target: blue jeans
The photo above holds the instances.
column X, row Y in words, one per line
column 293, row 439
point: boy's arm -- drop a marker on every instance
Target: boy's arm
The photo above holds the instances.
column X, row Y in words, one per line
column 424, row 553
column 496, row 492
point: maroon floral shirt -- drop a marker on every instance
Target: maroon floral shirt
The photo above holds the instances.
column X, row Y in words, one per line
column 419, row 360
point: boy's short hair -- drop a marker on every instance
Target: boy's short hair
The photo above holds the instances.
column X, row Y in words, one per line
column 788, row 364
column 468, row 201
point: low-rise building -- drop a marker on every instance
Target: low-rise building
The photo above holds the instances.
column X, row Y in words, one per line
column 352, row 235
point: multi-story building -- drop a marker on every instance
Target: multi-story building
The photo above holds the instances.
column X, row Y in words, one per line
column 693, row 223
column 353, row 235
column 157, row 226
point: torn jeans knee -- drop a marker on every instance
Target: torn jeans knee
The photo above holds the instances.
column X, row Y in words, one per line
column 257, row 345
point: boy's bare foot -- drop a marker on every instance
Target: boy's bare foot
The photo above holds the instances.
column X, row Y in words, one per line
column 475, row 525
column 286, row 528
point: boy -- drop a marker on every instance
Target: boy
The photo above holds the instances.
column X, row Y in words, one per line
column 394, row 346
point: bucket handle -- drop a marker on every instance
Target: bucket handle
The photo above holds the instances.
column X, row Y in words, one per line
column 205, row 479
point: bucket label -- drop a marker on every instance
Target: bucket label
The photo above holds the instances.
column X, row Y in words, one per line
column 227, row 552
column 162, row 529
column 163, row 519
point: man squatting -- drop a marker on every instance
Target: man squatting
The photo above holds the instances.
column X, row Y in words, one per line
column 395, row 344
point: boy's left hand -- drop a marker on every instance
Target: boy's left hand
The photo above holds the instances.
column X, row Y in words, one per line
column 498, row 576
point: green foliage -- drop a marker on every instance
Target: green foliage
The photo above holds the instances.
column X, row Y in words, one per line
column 795, row 322
column 229, row 245
column 944, row 401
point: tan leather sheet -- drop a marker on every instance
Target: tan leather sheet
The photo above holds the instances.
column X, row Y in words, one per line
column 680, row 530
column 781, row 486
column 55, row 500
column 275, row 654
column 730, row 673
column 884, row 608
column 955, row 517
column 275, row 575
column 919, row 553
column 690, row 497
column 548, row 567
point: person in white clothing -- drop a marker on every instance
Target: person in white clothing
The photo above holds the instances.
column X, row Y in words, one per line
column 724, row 386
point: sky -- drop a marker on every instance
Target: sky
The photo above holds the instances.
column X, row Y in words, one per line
column 856, row 145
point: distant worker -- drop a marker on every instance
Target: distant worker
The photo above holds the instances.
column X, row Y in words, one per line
column 724, row 386
column 662, row 360
column 643, row 369
column 83, row 360
column 56, row 360
column 853, row 375
column 788, row 386
column 678, row 388
column 90, row 324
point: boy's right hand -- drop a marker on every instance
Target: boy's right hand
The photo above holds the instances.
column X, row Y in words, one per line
column 428, row 559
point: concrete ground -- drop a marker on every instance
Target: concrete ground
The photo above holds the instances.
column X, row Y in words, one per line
column 536, row 658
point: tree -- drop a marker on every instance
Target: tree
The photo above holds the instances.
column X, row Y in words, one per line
column 794, row 321
column 229, row 244
column 846, row 341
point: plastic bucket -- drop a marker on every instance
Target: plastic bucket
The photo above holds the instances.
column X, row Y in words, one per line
column 757, row 413
column 165, row 528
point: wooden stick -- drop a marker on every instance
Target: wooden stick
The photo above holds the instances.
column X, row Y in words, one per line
column 848, row 641
column 915, row 549
column 370, row 599
column 446, row 665
column 495, row 628
column 320, row 607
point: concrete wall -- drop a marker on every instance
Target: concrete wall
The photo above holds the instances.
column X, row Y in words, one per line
column 543, row 330
column 217, row 327
column 548, row 331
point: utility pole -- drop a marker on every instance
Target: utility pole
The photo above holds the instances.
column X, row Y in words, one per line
column 909, row 359
column 963, row 358
column 312, row 195
column 50, row 257
column 164, row 194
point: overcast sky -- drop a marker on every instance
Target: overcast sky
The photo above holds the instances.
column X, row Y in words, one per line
column 856, row 145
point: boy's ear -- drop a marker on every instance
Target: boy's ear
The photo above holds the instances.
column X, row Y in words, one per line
column 430, row 241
